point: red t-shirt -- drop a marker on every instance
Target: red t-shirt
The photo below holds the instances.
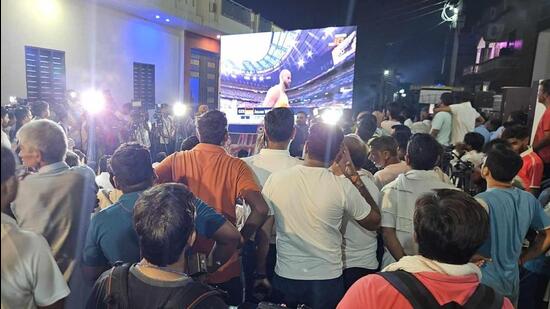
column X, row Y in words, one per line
column 544, row 126
column 531, row 171
column 373, row 291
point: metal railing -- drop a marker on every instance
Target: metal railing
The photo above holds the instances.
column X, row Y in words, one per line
column 237, row 12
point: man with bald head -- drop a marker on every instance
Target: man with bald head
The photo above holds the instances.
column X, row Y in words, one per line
column 276, row 95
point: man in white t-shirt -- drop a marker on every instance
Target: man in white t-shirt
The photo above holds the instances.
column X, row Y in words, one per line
column 399, row 197
column 279, row 130
column 442, row 123
column 30, row 276
column 309, row 204
column 383, row 152
column 394, row 111
column 360, row 245
column 464, row 116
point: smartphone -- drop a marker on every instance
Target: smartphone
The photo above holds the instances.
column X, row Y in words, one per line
column 431, row 110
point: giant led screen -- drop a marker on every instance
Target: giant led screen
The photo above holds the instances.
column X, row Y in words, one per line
column 300, row 69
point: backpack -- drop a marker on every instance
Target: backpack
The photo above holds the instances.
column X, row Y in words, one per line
column 189, row 296
column 421, row 298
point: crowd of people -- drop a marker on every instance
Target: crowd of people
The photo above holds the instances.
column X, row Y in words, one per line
column 317, row 217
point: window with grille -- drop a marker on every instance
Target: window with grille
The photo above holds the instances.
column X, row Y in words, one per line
column 45, row 72
column 144, row 84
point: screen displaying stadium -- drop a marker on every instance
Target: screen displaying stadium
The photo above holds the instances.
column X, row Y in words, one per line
column 300, row 69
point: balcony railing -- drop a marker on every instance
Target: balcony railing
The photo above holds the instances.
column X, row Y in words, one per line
column 265, row 25
column 237, row 12
column 496, row 64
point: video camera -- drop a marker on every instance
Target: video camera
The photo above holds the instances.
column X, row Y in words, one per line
column 460, row 172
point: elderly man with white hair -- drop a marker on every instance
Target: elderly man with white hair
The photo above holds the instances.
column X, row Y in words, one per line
column 56, row 201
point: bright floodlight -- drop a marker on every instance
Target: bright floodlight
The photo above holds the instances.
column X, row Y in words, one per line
column 331, row 115
column 73, row 94
column 13, row 99
column 402, row 91
column 93, row 101
column 386, row 72
column 403, row 95
column 179, row 109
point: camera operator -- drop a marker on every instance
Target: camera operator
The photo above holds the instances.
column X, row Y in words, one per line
column 140, row 127
column 166, row 129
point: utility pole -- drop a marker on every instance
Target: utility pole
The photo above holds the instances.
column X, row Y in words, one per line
column 457, row 26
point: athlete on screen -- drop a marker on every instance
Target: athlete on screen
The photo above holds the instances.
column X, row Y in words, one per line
column 276, row 95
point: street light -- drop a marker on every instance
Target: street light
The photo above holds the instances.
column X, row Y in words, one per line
column 387, row 72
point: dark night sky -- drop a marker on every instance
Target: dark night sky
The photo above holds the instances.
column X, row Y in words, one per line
column 400, row 34
column 388, row 37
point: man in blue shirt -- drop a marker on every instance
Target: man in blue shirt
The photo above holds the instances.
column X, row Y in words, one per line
column 511, row 213
column 111, row 236
column 481, row 128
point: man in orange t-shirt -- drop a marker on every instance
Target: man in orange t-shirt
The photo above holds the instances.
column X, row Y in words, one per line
column 219, row 180
column 531, row 170
column 442, row 268
column 541, row 143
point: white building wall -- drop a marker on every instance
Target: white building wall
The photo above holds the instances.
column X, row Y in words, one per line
column 100, row 46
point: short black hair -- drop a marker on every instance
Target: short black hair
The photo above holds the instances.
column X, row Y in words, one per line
column 546, row 86
column 164, row 218
column 81, row 155
column 104, row 163
column 39, row 107
column 384, row 143
column 494, row 143
column 279, row 124
column 324, row 142
column 447, row 98
column 366, row 126
column 503, row 163
column 301, row 112
column 395, row 110
column 474, row 140
column 357, row 151
column 8, row 164
column 189, row 143
column 519, row 117
column 20, row 113
column 516, row 131
column 131, row 165
column 72, row 159
column 423, row 151
column 362, row 114
column 402, row 134
column 450, row 226
column 212, row 127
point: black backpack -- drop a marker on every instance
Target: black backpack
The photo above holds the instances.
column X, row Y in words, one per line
column 420, row 297
column 189, row 296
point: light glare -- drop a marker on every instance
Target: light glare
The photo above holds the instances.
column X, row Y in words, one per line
column 179, row 109
column 331, row 116
column 93, row 101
